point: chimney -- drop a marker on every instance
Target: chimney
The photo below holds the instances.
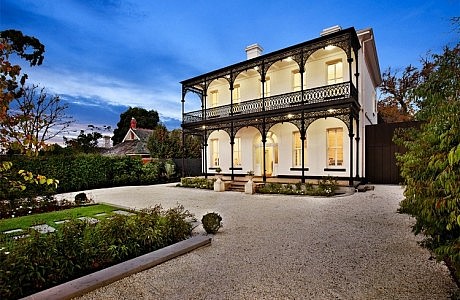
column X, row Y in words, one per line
column 133, row 123
column 253, row 50
column 330, row 30
column 106, row 141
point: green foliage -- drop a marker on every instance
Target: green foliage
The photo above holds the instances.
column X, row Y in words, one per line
column 197, row 182
column 40, row 261
column 431, row 165
column 147, row 119
column 85, row 142
column 325, row 187
column 89, row 171
column 168, row 144
column 212, row 222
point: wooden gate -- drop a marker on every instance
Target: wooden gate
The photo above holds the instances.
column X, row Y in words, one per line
column 380, row 152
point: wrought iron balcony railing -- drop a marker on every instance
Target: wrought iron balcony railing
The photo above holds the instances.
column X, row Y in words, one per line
column 334, row 92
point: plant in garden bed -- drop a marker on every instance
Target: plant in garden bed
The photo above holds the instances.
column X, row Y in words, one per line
column 40, row 261
column 325, row 187
column 197, row 182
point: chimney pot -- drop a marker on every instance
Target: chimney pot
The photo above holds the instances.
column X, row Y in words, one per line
column 253, row 50
column 133, row 123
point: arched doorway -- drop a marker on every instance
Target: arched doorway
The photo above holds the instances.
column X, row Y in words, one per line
column 271, row 155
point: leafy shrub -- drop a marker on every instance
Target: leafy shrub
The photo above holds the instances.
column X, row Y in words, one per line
column 325, row 187
column 197, row 182
column 40, row 261
column 89, row 171
column 211, row 222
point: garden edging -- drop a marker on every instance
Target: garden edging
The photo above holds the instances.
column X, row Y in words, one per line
column 85, row 284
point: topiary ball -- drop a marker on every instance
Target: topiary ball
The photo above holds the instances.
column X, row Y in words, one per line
column 211, row 222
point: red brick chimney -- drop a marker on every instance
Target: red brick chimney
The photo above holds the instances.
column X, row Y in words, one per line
column 133, row 123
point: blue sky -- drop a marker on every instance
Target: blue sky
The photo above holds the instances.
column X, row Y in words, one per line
column 103, row 56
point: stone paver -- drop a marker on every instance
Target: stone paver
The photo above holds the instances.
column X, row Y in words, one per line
column 13, row 231
column 123, row 212
column 89, row 220
column 61, row 222
column 100, row 215
column 43, row 228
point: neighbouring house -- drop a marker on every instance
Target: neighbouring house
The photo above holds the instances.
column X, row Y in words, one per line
column 134, row 143
column 299, row 112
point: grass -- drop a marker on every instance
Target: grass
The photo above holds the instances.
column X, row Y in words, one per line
column 49, row 218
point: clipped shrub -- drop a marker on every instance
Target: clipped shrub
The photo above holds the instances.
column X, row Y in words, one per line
column 211, row 222
column 81, row 198
column 198, row 183
column 325, row 187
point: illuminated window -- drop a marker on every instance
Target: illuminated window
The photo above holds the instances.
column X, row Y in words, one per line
column 214, row 98
column 297, row 150
column 236, row 94
column 237, row 152
column 335, row 72
column 266, row 87
column 296, row 81
column 214, row 153
column 335, row 147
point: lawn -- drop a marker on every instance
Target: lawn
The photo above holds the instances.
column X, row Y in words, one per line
column 49, row 218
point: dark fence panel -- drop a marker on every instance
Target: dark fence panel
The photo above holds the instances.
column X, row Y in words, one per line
column 380, row 152
column 192, row 166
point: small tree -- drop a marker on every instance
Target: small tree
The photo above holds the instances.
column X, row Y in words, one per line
column 34, row 119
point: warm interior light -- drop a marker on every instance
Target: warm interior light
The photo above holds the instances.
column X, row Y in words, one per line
column 329, row 47
column 331, row 110
column 204, row 127
column 289, row 116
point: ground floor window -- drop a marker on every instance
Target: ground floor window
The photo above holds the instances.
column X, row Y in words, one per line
column 237, row 152
column 214, row 152
column 297, row 150
column 334, row 147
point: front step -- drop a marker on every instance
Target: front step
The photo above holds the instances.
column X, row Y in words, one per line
column 237, row 186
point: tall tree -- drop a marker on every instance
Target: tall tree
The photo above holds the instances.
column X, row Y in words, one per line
column 85, row 142
column 431, row 165
column 168, row 144
column 398, row 102
column 147, row 119
column 34, row 119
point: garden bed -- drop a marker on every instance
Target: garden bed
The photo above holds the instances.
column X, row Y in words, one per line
column 40, row 261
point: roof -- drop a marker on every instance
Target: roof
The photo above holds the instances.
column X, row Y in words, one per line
column 136, row 146
column 141, row 134
column 132, row 147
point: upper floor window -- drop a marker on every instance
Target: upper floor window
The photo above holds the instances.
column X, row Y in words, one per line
column 334, row 147
column 214, row 98
column 297, row 150
column 214, row 152
column 266, row 87
column 236, row 94
column 296, row 81
column 334, row 72
column 237, row 152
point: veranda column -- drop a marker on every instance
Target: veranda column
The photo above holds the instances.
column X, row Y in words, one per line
column 358, row 119
column 232, row 135
column 264, row 133
column 351, row 135
column 183, row 134
column 302, row 129
column 357, row 149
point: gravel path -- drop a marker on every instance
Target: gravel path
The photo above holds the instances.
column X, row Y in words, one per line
column 287, row 247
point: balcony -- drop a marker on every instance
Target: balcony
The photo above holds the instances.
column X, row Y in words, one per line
column 320, row 95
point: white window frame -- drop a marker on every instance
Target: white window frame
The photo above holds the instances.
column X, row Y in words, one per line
column 337, row 149
column 215, row 162
column 236, row 94
column 297, row 81
column 336, row 78
column 297, row 150
column 214, row 98
column 237, row 152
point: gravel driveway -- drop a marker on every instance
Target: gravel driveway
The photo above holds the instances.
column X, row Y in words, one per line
column 287, row 247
